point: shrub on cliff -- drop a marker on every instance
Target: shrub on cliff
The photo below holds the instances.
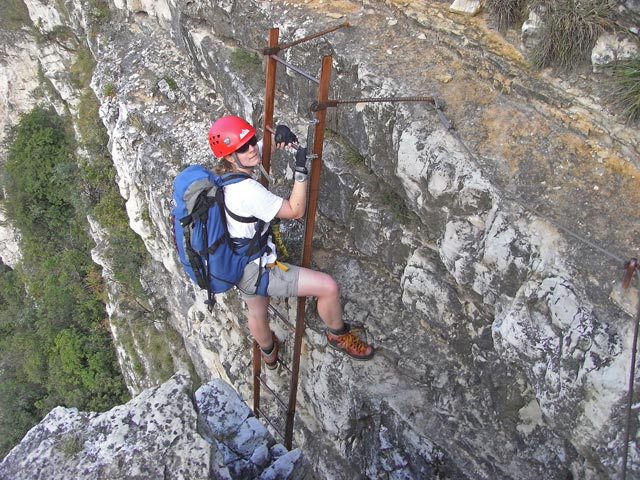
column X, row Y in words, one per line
column 13, row 15
column 39, row 176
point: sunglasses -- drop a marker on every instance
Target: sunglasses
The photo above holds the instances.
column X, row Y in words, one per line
column 253, row 141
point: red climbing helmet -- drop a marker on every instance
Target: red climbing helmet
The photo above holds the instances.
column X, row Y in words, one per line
column 229, row 133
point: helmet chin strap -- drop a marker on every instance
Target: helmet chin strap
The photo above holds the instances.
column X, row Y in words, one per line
column 259, row 165
column 239, row 163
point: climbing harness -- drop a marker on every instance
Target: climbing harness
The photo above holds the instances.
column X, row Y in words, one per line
column 281, row 248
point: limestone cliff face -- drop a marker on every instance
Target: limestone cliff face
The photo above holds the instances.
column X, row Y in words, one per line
column 165, row 432
column 18, row 80
column 503, row 340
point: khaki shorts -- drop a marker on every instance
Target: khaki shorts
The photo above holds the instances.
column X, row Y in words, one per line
column 281, row 283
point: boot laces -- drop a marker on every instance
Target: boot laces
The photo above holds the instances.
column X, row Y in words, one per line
column 354, row 342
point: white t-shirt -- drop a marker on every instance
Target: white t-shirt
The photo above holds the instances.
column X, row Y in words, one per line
column 250, row 198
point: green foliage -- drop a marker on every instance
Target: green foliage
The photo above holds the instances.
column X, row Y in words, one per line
column 397, row 205
column 128, row 255
column 125, row 248
column 353, row 157
column 77, row 365
column 54, row 346
column 39, row 175
column 625, row 87
column 162, row 361
column 83, row 67
column 70, row 445
column 173, row 85
column 94, row 138
column 17, row 399
column 60, row 34
column 14, row 311
column 58, row 284
column 97, row 180
column 245, row 63
column 99, row 10
column 96, row 174
column 109, row 89
column 570, row 29
column 158, row 344
column 13, row 15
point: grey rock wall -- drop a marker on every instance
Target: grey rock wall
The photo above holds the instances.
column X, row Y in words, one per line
column 503, row 341
column 162, row 433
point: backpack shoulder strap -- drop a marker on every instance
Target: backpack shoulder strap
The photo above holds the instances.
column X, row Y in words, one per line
column 239, row 218
column 232, row 177
column 228, row 179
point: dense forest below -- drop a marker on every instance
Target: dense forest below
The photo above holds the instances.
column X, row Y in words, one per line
column 55, row 341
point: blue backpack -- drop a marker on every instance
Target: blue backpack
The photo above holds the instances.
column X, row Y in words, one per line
column 211, row 258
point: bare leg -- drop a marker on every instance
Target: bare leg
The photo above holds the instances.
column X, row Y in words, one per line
column 258, row 320
column 323, row 286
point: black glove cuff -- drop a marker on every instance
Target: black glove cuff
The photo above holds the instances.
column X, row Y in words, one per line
column 302, row 170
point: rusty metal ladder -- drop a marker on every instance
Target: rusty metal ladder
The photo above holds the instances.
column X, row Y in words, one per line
column 319, row 109
column 260, row 380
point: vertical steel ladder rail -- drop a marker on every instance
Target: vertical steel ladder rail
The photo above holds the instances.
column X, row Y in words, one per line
column 312, row 204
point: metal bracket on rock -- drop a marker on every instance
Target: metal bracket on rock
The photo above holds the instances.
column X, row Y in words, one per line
column 438, row 104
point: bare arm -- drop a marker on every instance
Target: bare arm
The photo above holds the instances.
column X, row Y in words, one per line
column 295, row 206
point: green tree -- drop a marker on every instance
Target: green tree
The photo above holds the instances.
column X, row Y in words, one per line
column 39, row 175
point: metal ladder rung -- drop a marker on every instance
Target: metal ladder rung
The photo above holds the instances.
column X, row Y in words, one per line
column 264, row 416
column 275, row 395
column 284, row 319
column 286, row 367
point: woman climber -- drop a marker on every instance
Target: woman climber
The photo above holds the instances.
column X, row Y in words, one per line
column 235, row 145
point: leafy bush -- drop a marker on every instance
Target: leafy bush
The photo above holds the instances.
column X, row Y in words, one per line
column 109, row 89
column 13, row 15
column 173, row 85
column 246, row 63
column 82, row 68
column 39, row 175
column 18, row 399
column 97, row 180
column 99, row 10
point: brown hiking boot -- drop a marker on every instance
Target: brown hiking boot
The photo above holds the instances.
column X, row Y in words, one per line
column 271, row 359
column 351, row 344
